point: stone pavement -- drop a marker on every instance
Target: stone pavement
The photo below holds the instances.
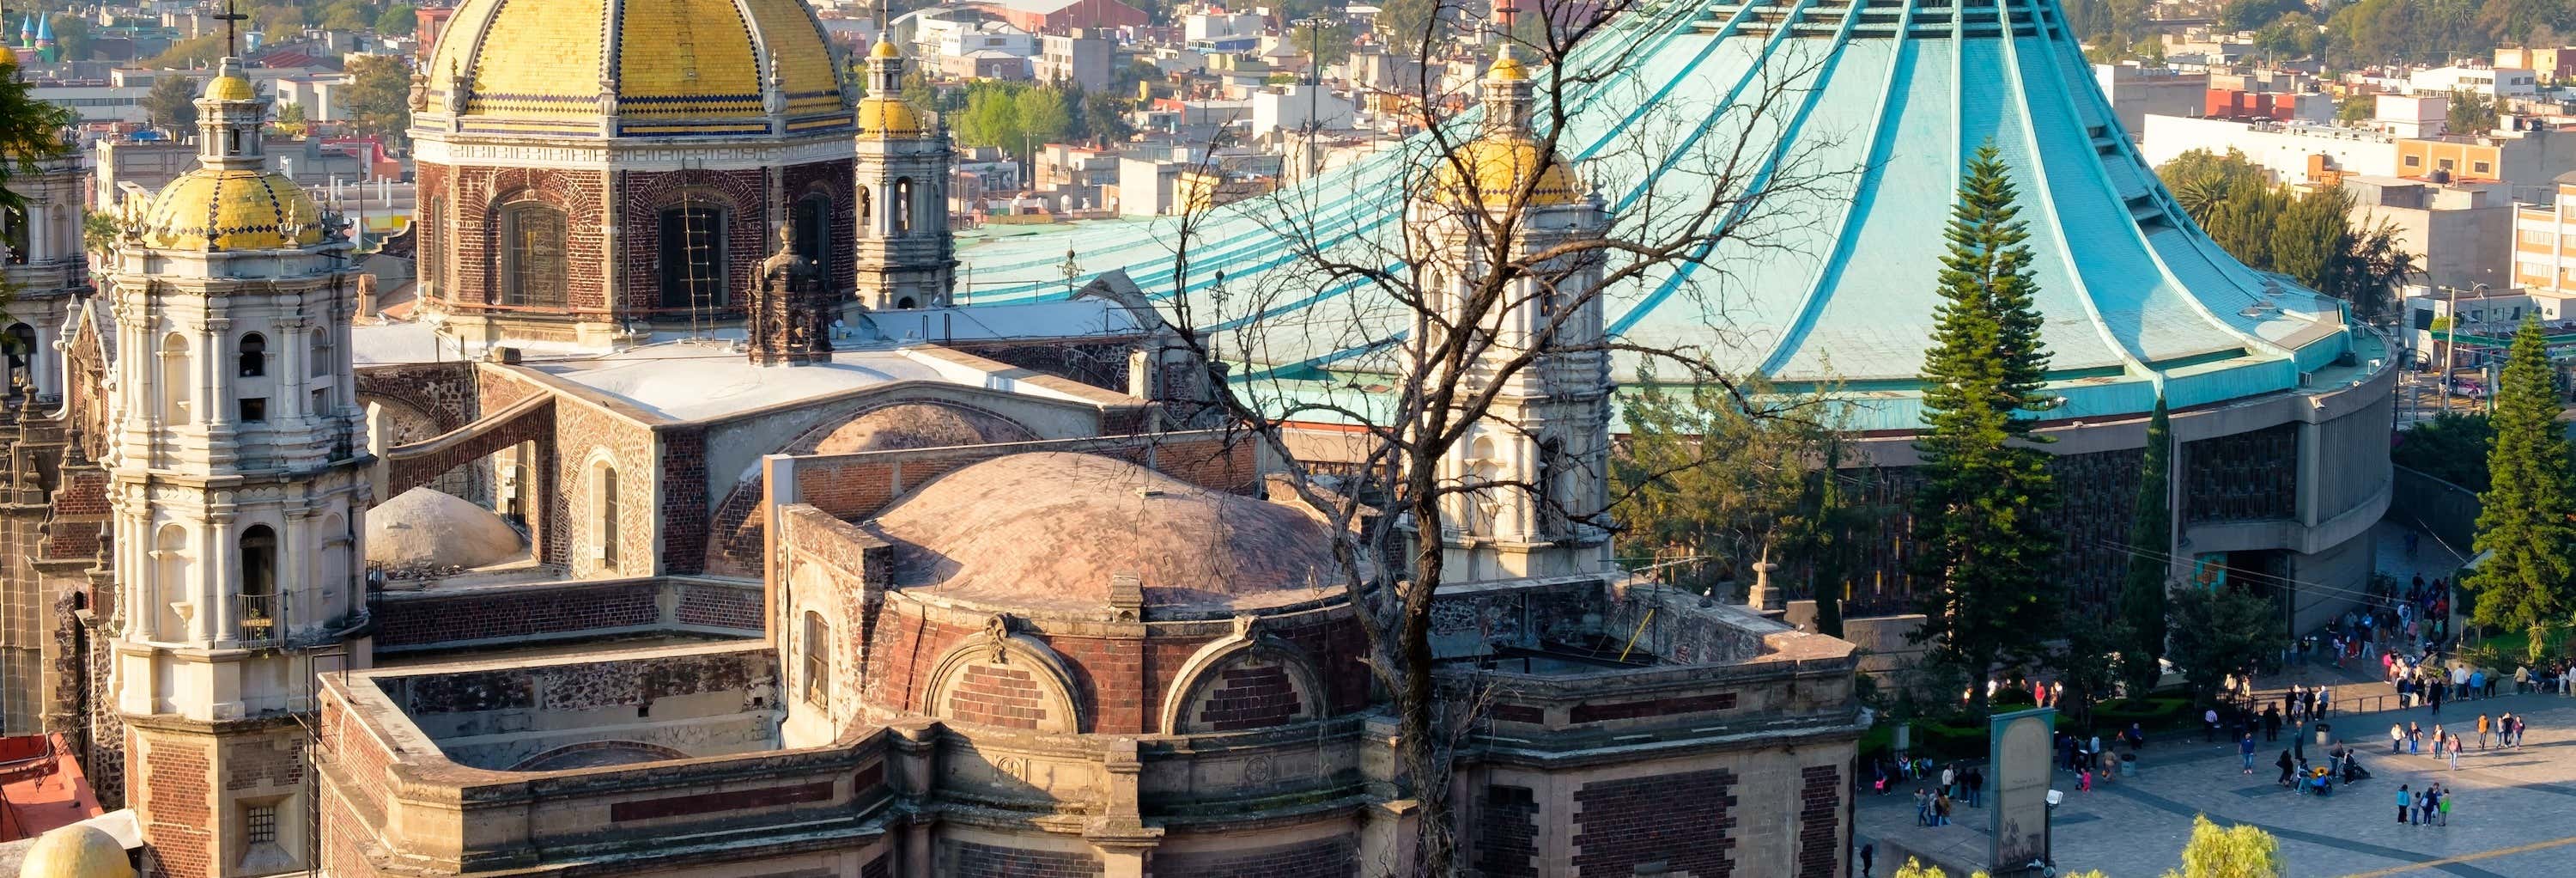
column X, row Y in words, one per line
column 2514, row 812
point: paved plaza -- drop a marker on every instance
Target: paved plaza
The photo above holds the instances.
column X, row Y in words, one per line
column 2514, row 812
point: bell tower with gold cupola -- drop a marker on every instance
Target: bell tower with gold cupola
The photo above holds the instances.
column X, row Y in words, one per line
column 1541, row 451
column 906, row 255
column 237, row 492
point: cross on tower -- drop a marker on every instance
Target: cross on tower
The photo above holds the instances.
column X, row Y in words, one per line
column 232, row 45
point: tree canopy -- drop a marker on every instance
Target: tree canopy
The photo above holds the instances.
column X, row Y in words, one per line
column 2142, row 594
column 2527, row 515
column 2451, row 447
column 379, row 96
column 2311, row 236
column 1982, row 511
column 171, row 105
column 2214, row 632
column 2238, row 851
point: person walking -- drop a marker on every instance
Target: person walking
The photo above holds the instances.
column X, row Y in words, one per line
column 1941, row 809
column 2271, row 723
column 2482, row 731
column 2287, row 765
column 2209, row 725
column 2414, row 739
column 2443, row 802
column 2405, row 804
column 2245, row 750
column 2455, row 754
column 1922, row 807
column 2396, row 738
column 1976, row 787
column 1949, row 776
column 1868, row 856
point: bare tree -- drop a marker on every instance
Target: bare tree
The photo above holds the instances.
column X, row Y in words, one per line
column 1408, row 300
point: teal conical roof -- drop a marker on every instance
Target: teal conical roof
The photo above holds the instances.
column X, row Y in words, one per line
column 1893, row 94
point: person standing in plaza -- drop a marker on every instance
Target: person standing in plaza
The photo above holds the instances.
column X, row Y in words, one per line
column 2271, row 723
column 2482, row 731
column 1976, row 781
column 2455, row 753
column 1949, row 776
column 2245, row 750
column 1868, row 854
column 2396, row 738
column 2405, row 804
column 2287, row 765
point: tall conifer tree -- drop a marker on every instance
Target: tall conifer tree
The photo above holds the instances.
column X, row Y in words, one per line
column 2528, row 514
column 2142, row 597
column 1986, row 548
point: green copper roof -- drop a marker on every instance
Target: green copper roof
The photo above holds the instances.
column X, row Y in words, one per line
column 1893, row 93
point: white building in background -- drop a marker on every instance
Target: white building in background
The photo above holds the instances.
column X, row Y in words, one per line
column 2544, row 241
column 1223, row 30
column 2136, row 90
column 2295, row 152
column 2459, row 234
column 967, row 34
column 2492, row 82
column 1293, row 107
column 2426, row 115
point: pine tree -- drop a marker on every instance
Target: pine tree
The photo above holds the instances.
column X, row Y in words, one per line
column 2142, row 597
column 1980, row 516
column 2530, row 499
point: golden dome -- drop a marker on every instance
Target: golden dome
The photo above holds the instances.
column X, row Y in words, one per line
column 76, row 851
column 230, row 88
column 537, row 66
column 1507, row 68
column 889, row 117
column 1500, row 163
column 885, row 49
column 215, row 209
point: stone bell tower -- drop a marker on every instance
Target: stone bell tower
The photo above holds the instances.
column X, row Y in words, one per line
column 238, row 490
column 1543, row 446
column 906, row 256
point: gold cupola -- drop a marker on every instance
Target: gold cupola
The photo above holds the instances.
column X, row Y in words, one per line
column 1492, row 168
column 231, row 201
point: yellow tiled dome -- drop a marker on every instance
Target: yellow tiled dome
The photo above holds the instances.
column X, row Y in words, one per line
column 882, row 116
column 885, row 49
column 230, row 88
column 681, row 67
column 214, row 209
column 1499, row 163
column 76, row 851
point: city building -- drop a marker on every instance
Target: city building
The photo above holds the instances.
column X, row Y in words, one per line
column 2295, row 152
column 2461, row 234
column 1077, row 58
column 2500, row 83
column 2544, row 241
column 1061, row 17
column 2553, row 66
column 2136, row 90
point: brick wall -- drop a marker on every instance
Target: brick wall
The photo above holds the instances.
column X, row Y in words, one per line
column 1251, row 694
column 990, row 861
column 475, row 616
column 179, row 818
column 270, row 762
column 1328, row 858
column 1820, row 811
column 1682, row 820
column 447, row 392
column 473, row 260
column 684, row 500
column 720, row 607
column 997, row 696
column 581, row 430
column 1506, row 833
column 835, row 180
column 80, row 513
column 741, row 194
column 1120, row 684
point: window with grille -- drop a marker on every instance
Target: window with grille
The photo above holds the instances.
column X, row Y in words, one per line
column 259, row 824
column 533, row 260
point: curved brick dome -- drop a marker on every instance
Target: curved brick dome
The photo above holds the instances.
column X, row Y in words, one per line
column 1049, row 530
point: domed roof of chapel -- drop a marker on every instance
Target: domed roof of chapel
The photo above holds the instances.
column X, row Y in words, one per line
column 232, row 209
column 1049, row 530
column 76, row 851
column 679, row 67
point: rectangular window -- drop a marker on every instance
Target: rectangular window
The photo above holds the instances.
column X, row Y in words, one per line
column 2480, row 167
column 259, row 824
column 2414, row 161
column 693, row 263
column 254, row 409
column 534, row 261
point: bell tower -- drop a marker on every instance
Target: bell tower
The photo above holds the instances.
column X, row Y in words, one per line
column 238, row 490
column 1541, row 451
column 906, row 256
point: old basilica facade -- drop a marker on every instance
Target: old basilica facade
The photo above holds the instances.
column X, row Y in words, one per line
column 731, row 548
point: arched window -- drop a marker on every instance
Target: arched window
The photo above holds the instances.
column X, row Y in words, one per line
column 22, row 355
column 865, row 203
column 813, row 228
column 13, row 232
column 319, row 350
column 254, row 355
column 606, row 510
column 532, row 256
column 902, row 205
column 258, row 582
column 818, row 659
column 693, row 257
column 175, row 380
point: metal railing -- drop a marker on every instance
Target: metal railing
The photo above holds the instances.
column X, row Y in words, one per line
column 258, row 618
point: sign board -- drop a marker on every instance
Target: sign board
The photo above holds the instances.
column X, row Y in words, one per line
column 2019, row 759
